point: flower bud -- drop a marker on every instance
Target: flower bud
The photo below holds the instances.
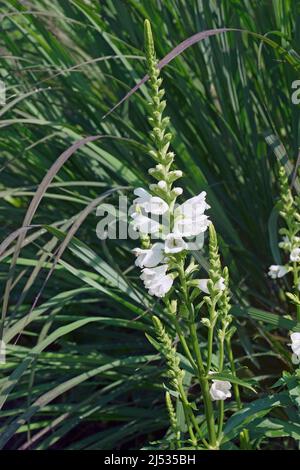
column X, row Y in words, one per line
column 206, row 322
column 162, row 185
column 177, row 191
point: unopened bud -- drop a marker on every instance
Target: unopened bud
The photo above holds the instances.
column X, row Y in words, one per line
column 177, row 191
column 162, row 185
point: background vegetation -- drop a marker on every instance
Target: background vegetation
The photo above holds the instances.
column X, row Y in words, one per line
column 79, row 372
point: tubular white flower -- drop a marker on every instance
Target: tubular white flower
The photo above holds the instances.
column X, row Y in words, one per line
column 149, row 258
column 161, row 286
column 148, row 275
column 149, row 203
column 174, row 243
column 220, row 390
column 144, row 224
column 295, row 254
column 188, row 227
column 276, row 271
column 194, row 205
column 202, row 284
column 189, row 217
column 295, row 338
column 157, row 281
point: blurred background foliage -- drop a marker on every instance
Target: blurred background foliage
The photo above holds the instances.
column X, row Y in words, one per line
column 79, row 372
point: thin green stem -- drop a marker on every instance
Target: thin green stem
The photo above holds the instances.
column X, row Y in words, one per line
column 187, row 412
column 236, row 389
column 185, row 402
column 298, row 313
column 210, row 339
column 184, row 343
column 208, row 408
column 245, row 437
column 221, row 403
column 296, row 283
column 221, row 418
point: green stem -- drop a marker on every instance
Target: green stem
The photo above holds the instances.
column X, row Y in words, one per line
column 221, row 403
column 221, row 418
column 209, row 412
column 244, row 435
column 298, row 313
column 188, row 411
column 296, row 282
column 210, row 339
column 208, row 408
column 184, row 343
column 236, row 389
column 188, row 416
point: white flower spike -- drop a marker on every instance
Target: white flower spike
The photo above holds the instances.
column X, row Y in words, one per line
column 220, row 390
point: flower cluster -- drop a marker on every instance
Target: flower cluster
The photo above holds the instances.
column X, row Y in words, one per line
column 188, row 220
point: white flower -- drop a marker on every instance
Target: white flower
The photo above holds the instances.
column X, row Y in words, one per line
column 149, row 258
column 295, row 337
column 189, row 217
column 157, row 281
column 295, row 254
column 174, row 243
column 149, row 203
column 148, row 276
column 219, row 285
column 220, row 390
column 144, row 224
column 277, row 270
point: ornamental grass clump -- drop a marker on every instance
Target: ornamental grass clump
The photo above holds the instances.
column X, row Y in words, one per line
column 197, row 310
